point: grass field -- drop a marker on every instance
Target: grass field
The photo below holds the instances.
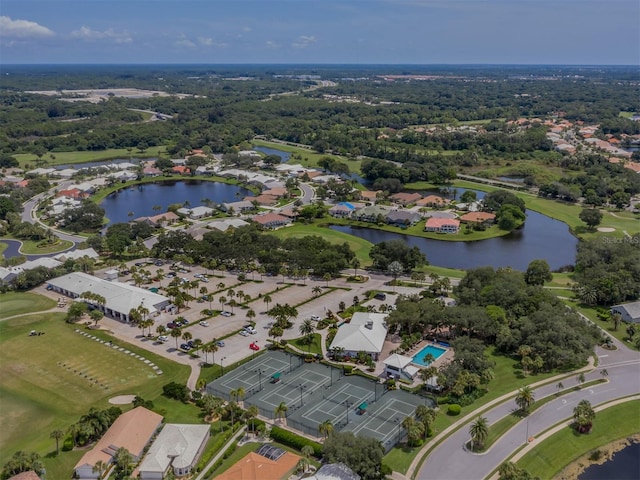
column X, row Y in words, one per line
column 63, row 158
column 49, row 381
column 20, row 303
column 564, row 447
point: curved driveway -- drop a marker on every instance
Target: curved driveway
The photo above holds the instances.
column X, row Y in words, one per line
column 450, row 460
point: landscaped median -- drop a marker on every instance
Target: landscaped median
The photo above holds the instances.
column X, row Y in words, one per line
column 560, row 445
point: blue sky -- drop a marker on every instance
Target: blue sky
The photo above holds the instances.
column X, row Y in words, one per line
column 585, row 32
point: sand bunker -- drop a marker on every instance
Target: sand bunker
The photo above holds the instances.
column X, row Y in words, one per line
column 122, row 400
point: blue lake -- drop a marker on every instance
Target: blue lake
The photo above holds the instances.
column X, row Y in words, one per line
column 140, row 199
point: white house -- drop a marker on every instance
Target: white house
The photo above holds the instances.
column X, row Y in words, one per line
column 178, row 447
column 365, row 333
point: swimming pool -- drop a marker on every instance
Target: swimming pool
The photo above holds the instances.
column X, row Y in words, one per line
column 418, row 358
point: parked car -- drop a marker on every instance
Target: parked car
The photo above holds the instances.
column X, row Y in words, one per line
column 315, row 318
column 204, row 323
column 220, row 343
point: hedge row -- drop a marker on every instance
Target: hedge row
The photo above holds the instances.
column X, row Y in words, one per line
column 295, row 441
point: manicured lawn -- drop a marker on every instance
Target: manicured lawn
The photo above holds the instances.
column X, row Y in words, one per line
column 313, row 348
column 49, row 381
column 17, row 303
column 62, row 158
column 564, row 447
column 359, row 246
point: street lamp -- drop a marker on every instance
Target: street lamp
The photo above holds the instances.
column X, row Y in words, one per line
column 301, row 387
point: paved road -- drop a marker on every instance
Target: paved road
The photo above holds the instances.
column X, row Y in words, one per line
column 622, row 366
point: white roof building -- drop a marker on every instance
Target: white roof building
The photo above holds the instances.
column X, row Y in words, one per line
column 120, row 298
column 177, row 446
column 366, row 332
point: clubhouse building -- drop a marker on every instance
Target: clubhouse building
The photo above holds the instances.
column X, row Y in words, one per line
column 120, row 298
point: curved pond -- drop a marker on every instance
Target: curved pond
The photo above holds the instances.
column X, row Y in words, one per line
column 140, row 200
column 541, row 237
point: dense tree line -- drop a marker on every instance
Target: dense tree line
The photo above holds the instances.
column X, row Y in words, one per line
column 245, row 246
column 607, row 270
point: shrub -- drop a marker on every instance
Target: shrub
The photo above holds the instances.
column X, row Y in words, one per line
column 292, row 440
column 454, row 409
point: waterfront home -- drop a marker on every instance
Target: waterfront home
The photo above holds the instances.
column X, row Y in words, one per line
column 479, row 218
column 442, row 225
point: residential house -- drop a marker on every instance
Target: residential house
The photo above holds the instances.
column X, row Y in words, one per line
column 630, row 312
column 365, row 332
column 369, row 196
column 442, row 225
column 405, row 199
column 271, row 220
column 433, row 201
column 177, row 446
column 403, row 218
column 267, row 463
column 132, row 430
column 484, row 218
column 120, row 298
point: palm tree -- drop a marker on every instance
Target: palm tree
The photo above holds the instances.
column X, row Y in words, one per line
column 57, row 435
column 267, row 299
column 281, row 411
column 525, row 398
column 176, row 333
column 100, row 467
column 325, row 428
column 479, row 432
column 584, row 415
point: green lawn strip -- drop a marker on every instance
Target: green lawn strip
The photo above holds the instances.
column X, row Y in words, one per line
column 499, row 428
column 62, row 365
column 561, row 449
column 592, row 314
column 313, row 348
column 359, row 246
column 62, row 158
column 18, row 303
column 309, row 157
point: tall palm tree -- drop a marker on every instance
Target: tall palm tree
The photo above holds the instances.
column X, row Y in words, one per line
column 525, row 398
column 325, row 428
column 57, row 435
column 281, row 411
column 479, row 431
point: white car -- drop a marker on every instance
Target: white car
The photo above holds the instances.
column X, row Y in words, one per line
column 163, row 338
column 204, row 323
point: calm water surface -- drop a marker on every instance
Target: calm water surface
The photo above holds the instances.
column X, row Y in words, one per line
column 625, row 465
column 140, row 199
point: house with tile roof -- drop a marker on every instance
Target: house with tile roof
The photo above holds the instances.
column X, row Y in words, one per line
column 132, row 430
column 442, row 225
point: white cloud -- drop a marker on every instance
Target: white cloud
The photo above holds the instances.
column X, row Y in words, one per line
column 86, row 33
column 22, row 29
column 303, row 41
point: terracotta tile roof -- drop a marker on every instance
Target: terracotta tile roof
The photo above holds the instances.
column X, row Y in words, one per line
column 131, row 430
column 477, row 217
column 256, row 467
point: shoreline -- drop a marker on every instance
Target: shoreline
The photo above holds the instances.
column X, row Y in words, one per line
column 579, row 465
